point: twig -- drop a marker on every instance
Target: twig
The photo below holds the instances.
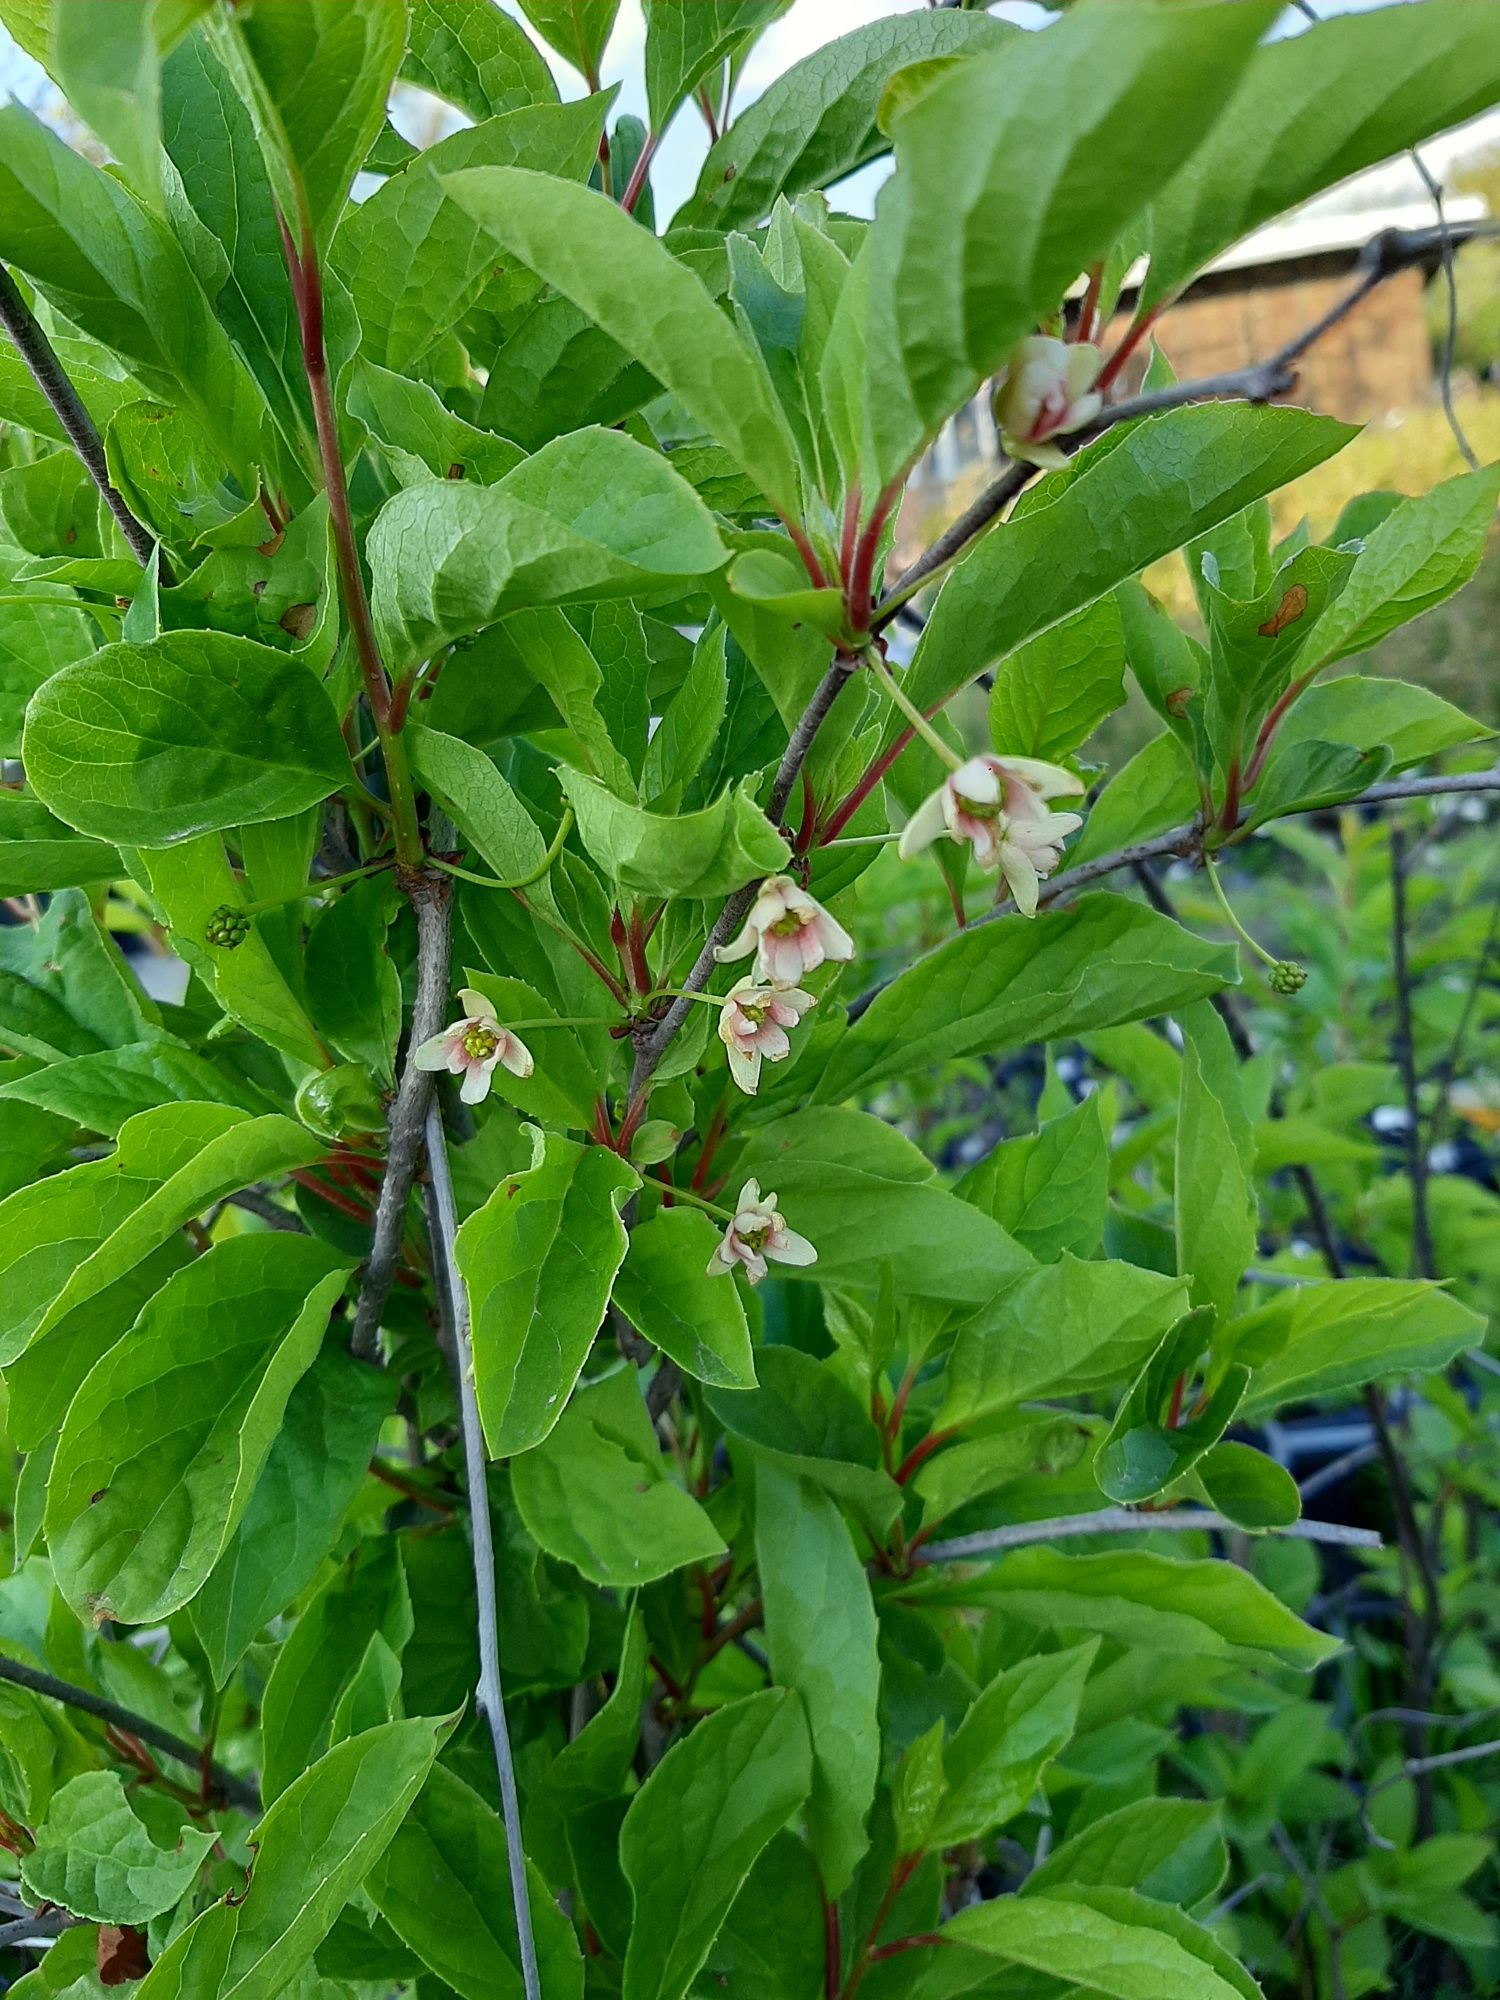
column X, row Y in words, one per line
column 1406, row 1063
column 241, row 1792
column 44, row 1924
column 490, row 1699
column 270, row 1212
column 1337, row 1469
column 653, row 1046
column 1450, row 331
column 1130, row 1520
column 430, row 902
column 37, row 351
column 1392, row 251
column 1184, row 841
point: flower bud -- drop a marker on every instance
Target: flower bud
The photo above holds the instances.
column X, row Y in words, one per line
column 1047, row 391
column 339, row 1102
column 226, row 927
column 1287, row 976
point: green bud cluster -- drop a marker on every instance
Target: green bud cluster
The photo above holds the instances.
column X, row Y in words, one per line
column 226, row 927
column 1287, row 976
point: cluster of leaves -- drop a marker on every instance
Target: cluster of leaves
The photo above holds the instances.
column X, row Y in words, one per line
column 512, row 604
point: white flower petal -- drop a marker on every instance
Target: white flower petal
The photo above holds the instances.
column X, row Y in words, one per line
column 475, row 1087
column 1018, row 870
column 925, row 826
column 515, row 1055
column 477, row 1008
column 790, row 1248
column 744, row 1067
column 434, row 1053
column 737, row 947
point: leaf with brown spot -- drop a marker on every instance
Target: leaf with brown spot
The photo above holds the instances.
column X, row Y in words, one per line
column 1287, row 612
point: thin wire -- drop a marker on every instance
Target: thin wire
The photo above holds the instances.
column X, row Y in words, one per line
column 1450, row 334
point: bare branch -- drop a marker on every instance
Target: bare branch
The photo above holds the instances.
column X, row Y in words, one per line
column 429, row 894
column 241, row 1792
column 41, row 1924
column 1392, row 251
column 1129, row 1521
column 37, row 351
column 454, row 1306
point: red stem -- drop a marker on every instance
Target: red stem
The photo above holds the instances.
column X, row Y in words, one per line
column 920, row 1453
column 1231, row 810
column 638, row 175
column 1135, row 333
column 1174, row 1408
column 842, row 814
column 861, row 577
column 808, row 554
column 1269, row 727
column 907, row 1944
column 832, row 1953
column 1090, row 307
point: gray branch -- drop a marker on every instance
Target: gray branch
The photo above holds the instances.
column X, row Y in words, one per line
column 429, row 895
column 37, row 351
column 454, row 1307
column 1128, row 1521
column 241, row 1792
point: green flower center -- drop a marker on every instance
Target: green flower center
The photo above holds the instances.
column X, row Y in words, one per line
column 787, row 926
column 480, row 1043
column 756, row 1239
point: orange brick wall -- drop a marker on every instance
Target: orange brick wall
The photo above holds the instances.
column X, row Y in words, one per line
column 1376, row 361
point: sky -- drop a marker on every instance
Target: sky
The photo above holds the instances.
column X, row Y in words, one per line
column 807, row 26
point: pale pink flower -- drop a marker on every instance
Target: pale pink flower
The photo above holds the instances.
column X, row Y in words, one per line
column 1047, row 390
column 470, row 1048
column 999, row 806
column 758, row 1231
column 790, row 931
column 753, row 1025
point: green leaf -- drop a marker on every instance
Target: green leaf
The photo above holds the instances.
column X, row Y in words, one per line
column 595, row 1493
column 647, row 301
column 1068, row 1328
column 705, row 854
column 100, row 1091
column 38, row 853
column 1308, row 113
column 1365, row 712
column 197, row 730
column 64, row 988
column 352, row 986
column 221, row 1150
column 592, row 515
column 1255, row 647
column 323, row 71
column 1011, row 1733
column 595, row 1766
column 685, row 45
column 664, row 1290
column 1167, row 1848
column 821, row 1638
column 801, row 1415
column 1324, row 1339
column 1208, row 1609
column 1075, row 131
column 696, row 1828
column 1011, row 1449
column 1123, row 504
column 476, row 57
column 480, row 802
column 688, row 726
column 419, row 436
column 443, row 1885
column 1051, row 694
column 1248, row 1488
column 313, row 1849
column 999, row 985
column 47, row 631
column 1215, row 1164
column 414, row 261
column 316, row 1464
column 815, row 122
column 1105, row 1941
column 137, row 1513
column 1049, row 1189
column 579, row 30
column 190, row 882
column 1424, row 550
column 538, row 1261
column 1146, row 1450
column 917, row 1791
column 366, row 1598
column 846, row 1180
column 115, row 271
column 94, row 1856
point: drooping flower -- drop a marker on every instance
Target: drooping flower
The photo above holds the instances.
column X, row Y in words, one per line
column 758, row 1231
column 1046, row 392
column 470, row 1048
column 753, row 1025
column 999, row 806
column 790, row 932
